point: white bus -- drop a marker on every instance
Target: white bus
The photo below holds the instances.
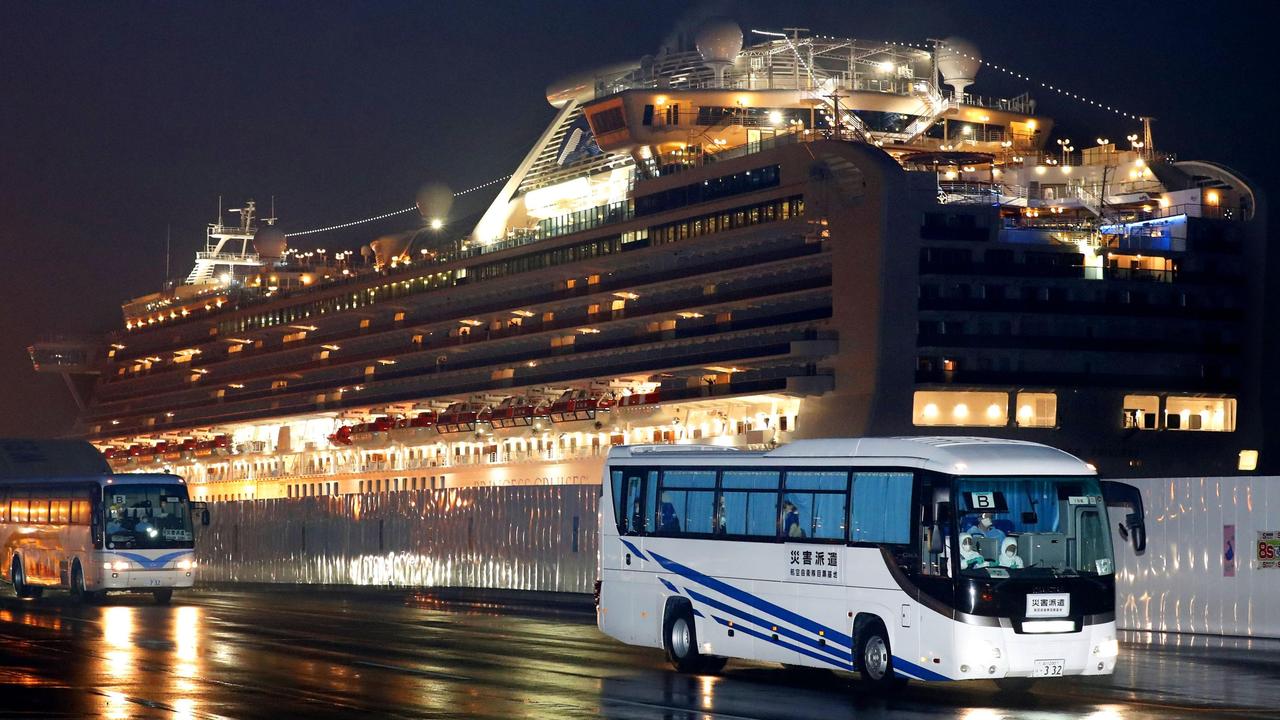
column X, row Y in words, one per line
column 901, row 558
column 66, row 522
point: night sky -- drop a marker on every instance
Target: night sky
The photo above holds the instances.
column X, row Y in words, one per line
column 120, row 119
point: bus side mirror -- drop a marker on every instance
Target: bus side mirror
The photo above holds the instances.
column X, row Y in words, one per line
column 1118, row 494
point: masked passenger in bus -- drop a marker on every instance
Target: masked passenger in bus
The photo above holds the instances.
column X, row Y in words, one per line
column 668, row 522
column 637, row 517
column 984, row 526
column 969, row 555
column 791, row 520
column 1009, row 557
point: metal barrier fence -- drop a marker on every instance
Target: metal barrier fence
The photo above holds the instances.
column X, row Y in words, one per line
column 1202, row 571
column 520, row 538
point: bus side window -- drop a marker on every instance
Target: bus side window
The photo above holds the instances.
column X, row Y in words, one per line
column 881, row 508
column 619, row 504
column 650, row 501
column 748, row 503
column 814, row 504
column 632, row 511
column 686, row 502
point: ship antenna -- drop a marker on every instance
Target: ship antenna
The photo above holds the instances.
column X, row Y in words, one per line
column 167, row 228
column 219, row 210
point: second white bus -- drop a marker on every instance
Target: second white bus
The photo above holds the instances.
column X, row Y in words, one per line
column 67, row 522
column 930, row 559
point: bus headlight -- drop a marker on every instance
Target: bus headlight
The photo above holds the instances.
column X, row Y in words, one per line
column 186, row 564
column 1108, row 648
column 981, row 652
column 117, row 565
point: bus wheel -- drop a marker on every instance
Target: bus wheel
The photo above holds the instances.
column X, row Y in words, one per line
column 162, row 596
column 20, row 586
column 1015, row 685
column 681, row 643
column 875, row 660
column 78, row 590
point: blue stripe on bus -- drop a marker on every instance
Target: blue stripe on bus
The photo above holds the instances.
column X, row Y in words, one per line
column 153, row 564
column 907, row 667
column 634, row 550
column 756, row 602
column 670, row 587
column 847, row 657
column 786, row 645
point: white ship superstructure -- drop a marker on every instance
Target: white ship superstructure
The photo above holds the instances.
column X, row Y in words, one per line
column 734, row 243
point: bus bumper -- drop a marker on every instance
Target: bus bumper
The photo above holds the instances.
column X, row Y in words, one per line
column 997, row 652
column 147, row 579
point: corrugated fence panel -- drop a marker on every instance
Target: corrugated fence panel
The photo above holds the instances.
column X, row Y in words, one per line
column 545, row 538
column 522, row 538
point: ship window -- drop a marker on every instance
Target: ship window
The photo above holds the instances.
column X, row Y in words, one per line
column 1037, row 409
column 1205, row 414
column 960, row 408
column 1140, row 412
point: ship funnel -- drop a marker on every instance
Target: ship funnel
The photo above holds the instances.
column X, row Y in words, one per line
column 391, row 247
column 958, row 61
column 719, row 41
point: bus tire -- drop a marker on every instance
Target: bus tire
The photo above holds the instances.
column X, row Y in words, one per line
column 163, row 597
column 680, row 639
column 78, row 589
column 875, row 658
column 19, row 580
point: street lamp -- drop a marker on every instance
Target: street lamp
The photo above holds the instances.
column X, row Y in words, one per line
column 1065, row 144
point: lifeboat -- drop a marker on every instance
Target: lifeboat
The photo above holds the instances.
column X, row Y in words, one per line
column 169, row 451
column 188, row 448
column 515, row 411
column 219, row 445
column 342, row 436
column 576, row 405
column 116, row 457
column 375, row 432
column 637, row 407
column 142, row 454
column 459, row 417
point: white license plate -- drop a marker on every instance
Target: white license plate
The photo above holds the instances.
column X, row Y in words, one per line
column 1047, row 668
column 153, row 582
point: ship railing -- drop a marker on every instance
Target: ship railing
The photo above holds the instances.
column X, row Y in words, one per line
column 228, row 257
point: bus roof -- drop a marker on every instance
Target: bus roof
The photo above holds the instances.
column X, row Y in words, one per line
column 22, row 459
column 955, row 455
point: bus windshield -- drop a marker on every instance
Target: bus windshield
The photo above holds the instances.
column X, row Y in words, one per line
column 147, row 516
column 1024, row 526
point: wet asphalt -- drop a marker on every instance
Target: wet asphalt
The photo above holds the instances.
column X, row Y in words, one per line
column 280, row 653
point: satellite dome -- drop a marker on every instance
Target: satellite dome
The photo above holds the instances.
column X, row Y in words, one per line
column 434, row 201
column 958, row 61
column 719, row 40
column 270, row 243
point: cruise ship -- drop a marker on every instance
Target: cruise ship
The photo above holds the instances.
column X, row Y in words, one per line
column 742, row 239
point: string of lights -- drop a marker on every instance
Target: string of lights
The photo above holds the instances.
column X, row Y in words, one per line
column 393, row 213
column 1013, row 73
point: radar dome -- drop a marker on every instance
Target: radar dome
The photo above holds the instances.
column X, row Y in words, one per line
column 270, row 243
column 719, row 40
column 434, row 201
column 389, row 247
column 958, row 61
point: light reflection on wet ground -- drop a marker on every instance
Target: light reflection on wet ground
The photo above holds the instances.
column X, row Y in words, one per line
column 397, row 654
